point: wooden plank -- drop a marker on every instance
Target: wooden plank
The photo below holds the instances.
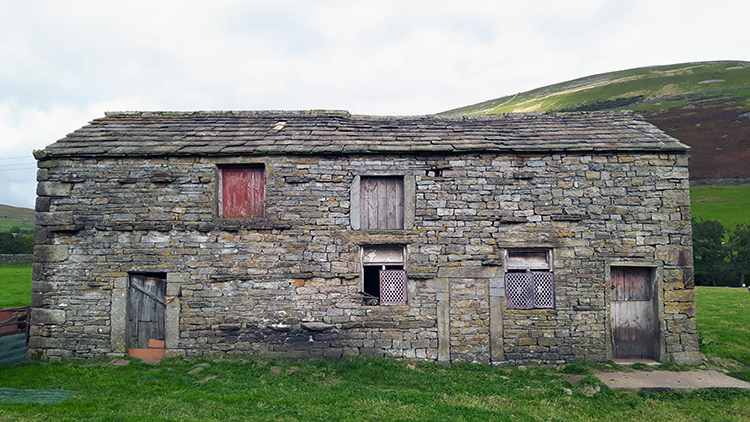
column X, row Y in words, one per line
column 243, row 192
column 632, row 313
column 394, row 203
column 149, row 294
column 368, row 203
column 633, row 329
column 146, row 310
column 631, row 283
column 382, row 203
column 522, row 260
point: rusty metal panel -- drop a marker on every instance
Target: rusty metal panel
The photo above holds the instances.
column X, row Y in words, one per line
column 382, row 203
column 146, row 308
column 243, row 192
column 393, row 291
column 14, row 320
column 632, row 313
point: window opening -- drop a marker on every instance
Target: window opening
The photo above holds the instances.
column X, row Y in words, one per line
column 529, row 280
column 242, row 192
column 382, row 203
column 384, row 279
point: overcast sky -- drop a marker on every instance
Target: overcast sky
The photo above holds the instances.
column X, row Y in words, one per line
column 64, row 63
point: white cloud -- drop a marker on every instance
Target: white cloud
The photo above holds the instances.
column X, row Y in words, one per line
column 65, row 63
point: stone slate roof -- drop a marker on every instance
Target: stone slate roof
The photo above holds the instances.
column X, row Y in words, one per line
column 337, row 132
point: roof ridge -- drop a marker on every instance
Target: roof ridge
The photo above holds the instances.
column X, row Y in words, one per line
column 347, row 114
column 259, row 113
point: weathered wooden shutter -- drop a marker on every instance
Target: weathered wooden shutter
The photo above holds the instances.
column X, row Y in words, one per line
column 393, row 289
column 382, row 203
column 243, row 192
column 146, row 308
column 632, row 313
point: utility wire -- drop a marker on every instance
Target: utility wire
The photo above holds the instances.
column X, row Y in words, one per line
column 17, row 168
column 14, row 158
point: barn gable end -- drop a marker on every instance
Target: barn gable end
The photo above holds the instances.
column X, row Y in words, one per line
column 506, row 239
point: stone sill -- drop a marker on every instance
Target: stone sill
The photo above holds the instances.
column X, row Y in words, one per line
column 237, row 224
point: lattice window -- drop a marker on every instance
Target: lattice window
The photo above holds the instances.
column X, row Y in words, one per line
column 530, row 289
column 393, row 287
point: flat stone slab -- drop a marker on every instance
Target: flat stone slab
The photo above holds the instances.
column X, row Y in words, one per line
column 669, row 380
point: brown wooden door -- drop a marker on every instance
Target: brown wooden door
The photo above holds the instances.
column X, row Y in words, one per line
column 146, row 308
column 632, row 313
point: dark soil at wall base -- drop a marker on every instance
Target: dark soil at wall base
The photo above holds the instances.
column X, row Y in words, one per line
column 718, row 130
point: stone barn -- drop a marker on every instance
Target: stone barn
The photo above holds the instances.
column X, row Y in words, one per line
column 545, row 238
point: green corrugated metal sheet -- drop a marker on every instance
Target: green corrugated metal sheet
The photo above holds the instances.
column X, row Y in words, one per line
column 13, row 349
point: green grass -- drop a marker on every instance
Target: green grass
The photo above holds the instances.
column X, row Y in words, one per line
column 723, row 318
column 15, row 285
column 728, row 204
column 233, row 388
column 237, row 388
column 653, row 82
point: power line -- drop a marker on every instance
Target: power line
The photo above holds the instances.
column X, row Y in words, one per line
column 18, row 167
column 17, row 157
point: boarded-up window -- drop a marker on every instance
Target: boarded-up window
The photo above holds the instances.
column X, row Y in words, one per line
column 382, row 203
column 529, row 281
column 243, row 192
column 384, row 278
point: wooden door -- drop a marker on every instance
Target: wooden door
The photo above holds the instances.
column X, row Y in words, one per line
column 633, row 324
column 146, row 308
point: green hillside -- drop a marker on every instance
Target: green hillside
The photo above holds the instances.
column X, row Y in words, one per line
column 705, row 105
column 11, row 217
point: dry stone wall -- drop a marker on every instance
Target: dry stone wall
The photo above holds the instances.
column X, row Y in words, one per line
column 290, row 283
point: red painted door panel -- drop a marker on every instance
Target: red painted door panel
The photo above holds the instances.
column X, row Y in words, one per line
column 243, row 192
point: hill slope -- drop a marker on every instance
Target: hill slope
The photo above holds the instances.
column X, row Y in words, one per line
column 705, row 105
column 11, row 217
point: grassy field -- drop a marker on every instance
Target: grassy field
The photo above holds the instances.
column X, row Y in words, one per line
column 239, row 388
column 651, row 82
column 723, row 314
column 728, row 204
column 11, row 217
column 233, row 388
column 15, row 285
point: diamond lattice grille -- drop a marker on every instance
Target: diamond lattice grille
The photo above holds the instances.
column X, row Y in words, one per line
column 530, row 290
column 392, row 287
column 544, row 289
